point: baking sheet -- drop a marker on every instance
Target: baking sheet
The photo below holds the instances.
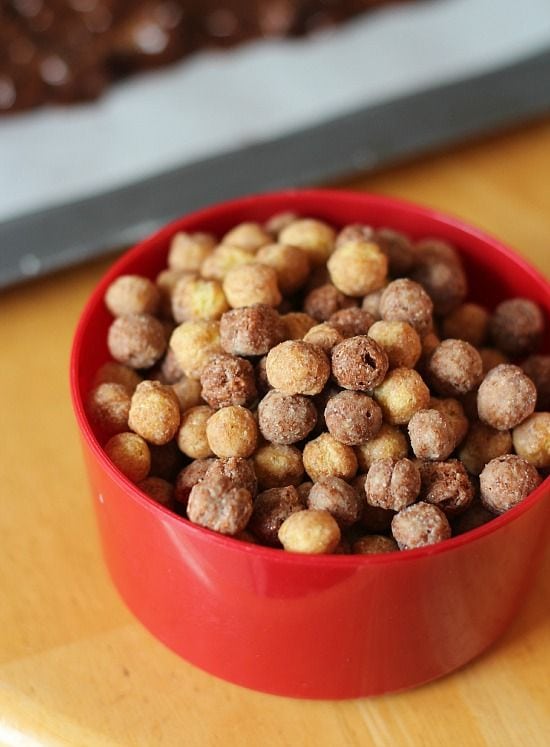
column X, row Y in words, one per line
column 219, row 101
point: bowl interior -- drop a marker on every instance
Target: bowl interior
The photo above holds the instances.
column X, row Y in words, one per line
column 495, row 272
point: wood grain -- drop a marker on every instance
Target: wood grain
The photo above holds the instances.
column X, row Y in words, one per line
column 77, row 669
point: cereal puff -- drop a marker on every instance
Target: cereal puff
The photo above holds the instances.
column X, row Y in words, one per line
column 297, row 367
column 232, row 432
column 154, row 412
column 506, row 481
column 358, row 268
column 194, row 344
column 401, row 394
column 532, row 439
column 324, row 456
column 340, row 499
column 314, row 237
column 312, row 532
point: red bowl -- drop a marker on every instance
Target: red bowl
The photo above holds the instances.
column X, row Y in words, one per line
column 312, row 626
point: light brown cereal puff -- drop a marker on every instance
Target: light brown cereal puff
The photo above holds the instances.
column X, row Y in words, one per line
column 420, row 525
column 506, row 481
column 313, row 236
column 398, row 249
column 491, row 358
column 374, row 544
column 352, row 417
column 158, row 489
column 403, row 300
column 232, row 432
column 446, row 485
column 453, row 410
column 249, row 284
column 290, row 263
column 454, row 368
column 468, row 322
column 359, row 363
column 431, row 435
column 324, row 456
column 371, row 303
column 296, row 367
column 358, row 268
column 192, row 439
column 190, row 476
column 444, row 280
column 389, row 443
column 516, row 327
column 228, row 380
column 537, row 367
column 279, row 221
column 400, row 341
column 532, row 439
column 238, row 471
column 341, row 500
column 108, row 407
column 286, row 418
column 196, row 298
column 224, row 259
column 354, row 232
column 251, row 331
column 310, row 532
column 248, row 235
column 188, row 392
column 325, row 300
column 401, row 394
column 324, row 336
column 130, row 453
column 194, row 344
column 278, row 465
column 271, row 508
column 189, row 250
column 154, row 412
column 352, row 322
column 296, row 325
column 116, row 373
column 137, row 340
column 481, row 445
column 132, row 294
column 220, row 506
column 392, row 484
column 506, row 397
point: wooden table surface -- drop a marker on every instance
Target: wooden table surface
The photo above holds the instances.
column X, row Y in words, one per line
column 77, row 669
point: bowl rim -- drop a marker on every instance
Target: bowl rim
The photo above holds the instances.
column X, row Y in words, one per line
column 230, row 543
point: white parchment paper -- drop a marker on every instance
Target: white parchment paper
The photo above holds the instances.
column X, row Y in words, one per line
column 217, row 101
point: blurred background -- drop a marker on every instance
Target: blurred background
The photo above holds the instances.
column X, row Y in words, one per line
column 118, row 115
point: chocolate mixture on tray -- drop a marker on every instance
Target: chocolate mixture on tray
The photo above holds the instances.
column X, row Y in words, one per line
column 70, row 50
